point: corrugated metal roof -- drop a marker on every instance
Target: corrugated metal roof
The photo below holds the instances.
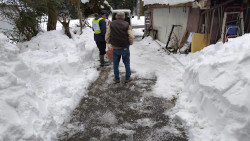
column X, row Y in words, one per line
column 167, row 2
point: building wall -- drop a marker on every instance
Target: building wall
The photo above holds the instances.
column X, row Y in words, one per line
column 163, row 19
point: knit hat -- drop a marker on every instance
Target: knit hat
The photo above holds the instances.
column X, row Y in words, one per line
column 105, row 12
column 120, row 13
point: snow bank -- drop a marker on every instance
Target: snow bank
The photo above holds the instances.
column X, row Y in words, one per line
column 216, row 102
column 135, row 20
column 41, row 85
column 138, row 32
column 167, row 2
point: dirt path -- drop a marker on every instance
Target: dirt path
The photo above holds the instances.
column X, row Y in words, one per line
column 121, row 112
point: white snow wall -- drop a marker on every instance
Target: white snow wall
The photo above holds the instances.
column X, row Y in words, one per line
column 163, row 21
column 218, row 85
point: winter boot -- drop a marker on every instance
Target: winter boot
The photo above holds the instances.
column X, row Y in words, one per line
column 129, row 80
column 102, row 61
column 116, row 81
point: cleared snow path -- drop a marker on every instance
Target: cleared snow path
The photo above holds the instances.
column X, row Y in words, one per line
column 116, row 112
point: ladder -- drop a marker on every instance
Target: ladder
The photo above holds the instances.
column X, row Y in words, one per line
column 233, row 23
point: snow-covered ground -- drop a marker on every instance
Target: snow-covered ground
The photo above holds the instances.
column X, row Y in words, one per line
column 42, row 81
column 212, row 89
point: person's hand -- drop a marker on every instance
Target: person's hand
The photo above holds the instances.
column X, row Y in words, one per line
column 109, row 46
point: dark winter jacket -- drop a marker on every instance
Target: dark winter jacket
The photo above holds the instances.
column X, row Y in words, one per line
column 101, row 37
column 130, row 36
column 119, row 33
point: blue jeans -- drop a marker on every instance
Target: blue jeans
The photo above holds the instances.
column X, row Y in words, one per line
column 125, row 54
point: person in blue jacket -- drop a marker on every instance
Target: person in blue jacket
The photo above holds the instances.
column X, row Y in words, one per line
column 100, row 27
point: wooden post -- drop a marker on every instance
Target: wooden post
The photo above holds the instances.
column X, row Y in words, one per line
column 248, row 28
column 206, row 25
column 211, row 27
column 223, row 28
column 246, row 16
column 219, row 27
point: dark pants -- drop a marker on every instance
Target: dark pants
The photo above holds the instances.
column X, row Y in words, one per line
column 125, row 54
column 102, row 47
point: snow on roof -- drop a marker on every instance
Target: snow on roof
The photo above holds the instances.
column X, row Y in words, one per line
column 123, row 10
column 85, row 1
column 167, row 2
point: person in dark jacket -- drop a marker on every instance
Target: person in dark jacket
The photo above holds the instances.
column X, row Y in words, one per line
column 100, row 27
column 120, row 36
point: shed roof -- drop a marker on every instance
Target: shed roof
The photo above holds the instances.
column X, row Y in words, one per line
column 166, row 2
column 123, row 10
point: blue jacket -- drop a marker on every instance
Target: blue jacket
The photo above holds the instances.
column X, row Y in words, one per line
column 101, row 37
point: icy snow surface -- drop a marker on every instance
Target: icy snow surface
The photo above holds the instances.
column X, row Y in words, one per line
column 167, row 2
column 215, row 104
column 42, row 81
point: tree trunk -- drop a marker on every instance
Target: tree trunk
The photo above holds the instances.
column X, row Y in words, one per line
column 79, row 12
column 52, row 17
column 138, row 9
column 115, row 4
column 65, row 25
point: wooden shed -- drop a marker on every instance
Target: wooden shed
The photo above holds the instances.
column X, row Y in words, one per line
column 190, row 16
column 213, row 16
column 162, row 16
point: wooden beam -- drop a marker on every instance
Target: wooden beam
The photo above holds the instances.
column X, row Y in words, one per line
column 219, row 17
column 211, row 26
column 189, row 4
column 246, row 16
column 217, row 6
column 184, row 39
column 248, row 28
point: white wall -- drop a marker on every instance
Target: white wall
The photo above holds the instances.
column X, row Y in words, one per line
column 163, row 21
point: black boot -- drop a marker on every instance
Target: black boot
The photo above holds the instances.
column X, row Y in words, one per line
column 102, row 61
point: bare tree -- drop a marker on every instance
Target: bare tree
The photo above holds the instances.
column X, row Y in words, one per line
column 79, row 12
column 65, row 24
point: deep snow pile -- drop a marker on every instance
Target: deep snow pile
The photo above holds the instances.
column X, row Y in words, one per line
column 215, row 104
column 41, row 85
